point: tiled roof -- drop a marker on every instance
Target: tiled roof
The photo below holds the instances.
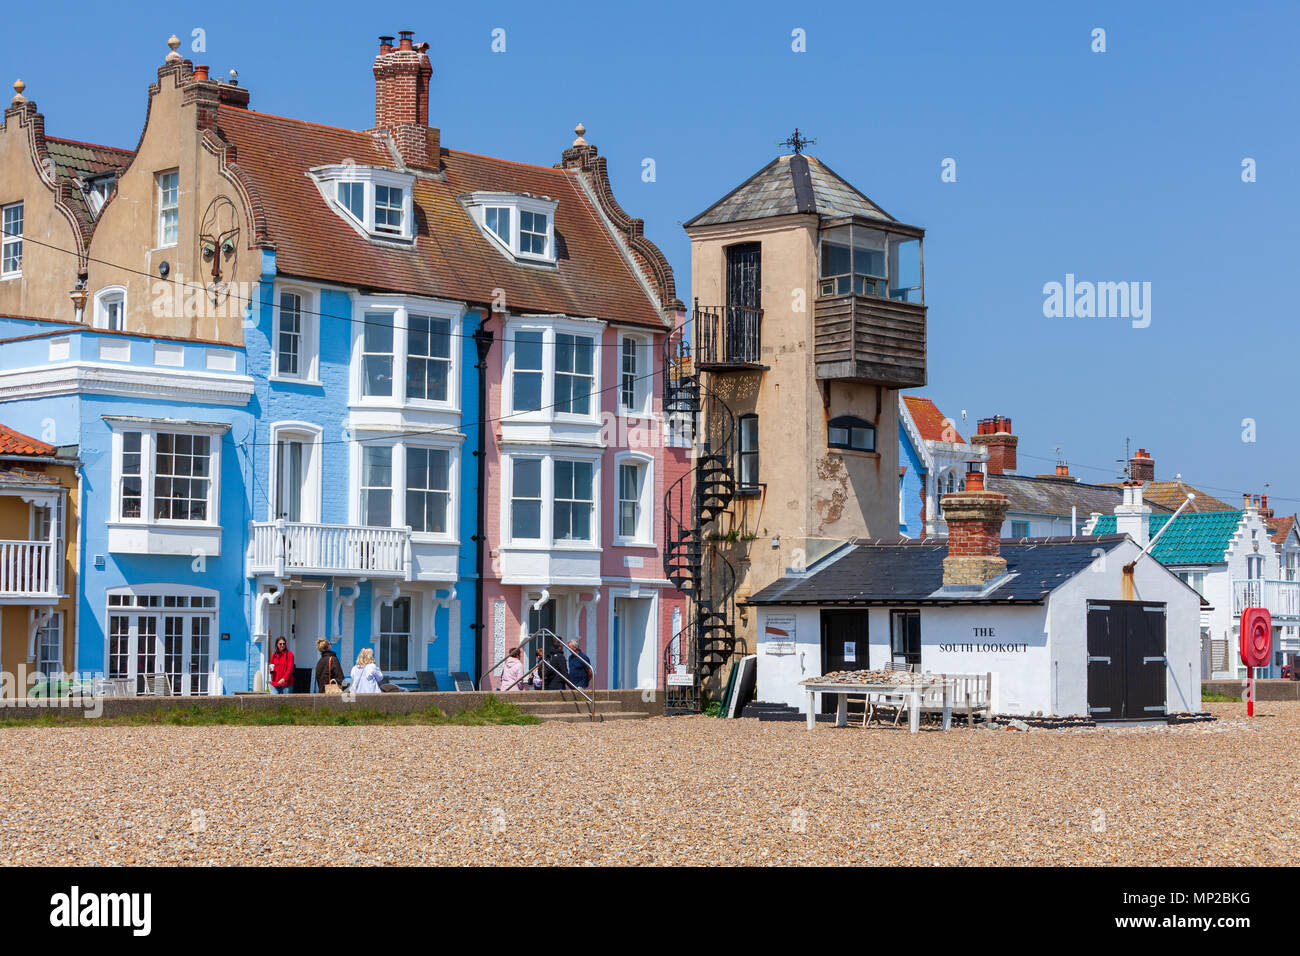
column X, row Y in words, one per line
column 75, row 160
column 796, row 183
column 1054, row 496
column 16, row 443
column 1279, row 528
column 451, row 258
column 1171, row 494
column 930, row 422
column 1194, row 538
column 912, row 572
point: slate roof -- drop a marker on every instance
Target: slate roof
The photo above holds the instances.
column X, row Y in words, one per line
column 24, row 478
column 16, row 443
column 1052, row 496
column 912, row 572
column 795, row 183
column 931, row 422
column 1195, row 538
column 450, row 258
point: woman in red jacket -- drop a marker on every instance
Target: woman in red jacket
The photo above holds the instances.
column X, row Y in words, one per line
column 282, row 668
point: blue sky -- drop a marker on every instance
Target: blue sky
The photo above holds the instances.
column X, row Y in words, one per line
column 1115, row 166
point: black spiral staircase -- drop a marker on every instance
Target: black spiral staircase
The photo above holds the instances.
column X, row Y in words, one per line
column 692, row 559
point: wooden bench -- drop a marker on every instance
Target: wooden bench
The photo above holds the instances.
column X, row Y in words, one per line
column 971, row 695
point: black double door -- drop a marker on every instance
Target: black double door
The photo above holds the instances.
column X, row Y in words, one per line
column 1126, row 660
column 844, row 646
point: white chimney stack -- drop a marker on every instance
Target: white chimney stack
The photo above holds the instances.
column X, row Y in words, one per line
column 1132, row 514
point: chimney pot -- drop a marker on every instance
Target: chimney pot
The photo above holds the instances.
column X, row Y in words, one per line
column 405, row 42
column 994, row 434
column 201, row 73
column 1142, row 467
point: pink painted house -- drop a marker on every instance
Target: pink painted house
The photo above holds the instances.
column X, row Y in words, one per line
column 578, row 454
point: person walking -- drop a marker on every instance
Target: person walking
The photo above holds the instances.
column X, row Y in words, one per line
column 282, row 668
column 580, row 672
column 512, row 671
column 366, row 675
column 329, row 671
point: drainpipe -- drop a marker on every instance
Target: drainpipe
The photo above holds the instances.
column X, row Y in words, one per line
column 483, row 341
column 541, row 601
column 342, row 601
column 264, row 600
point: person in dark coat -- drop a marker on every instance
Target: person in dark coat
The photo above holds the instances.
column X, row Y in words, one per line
column 328, row 667
column 580, row 672
column 555, row 657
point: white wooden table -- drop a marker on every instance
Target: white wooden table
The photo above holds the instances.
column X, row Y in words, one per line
column 905, row 688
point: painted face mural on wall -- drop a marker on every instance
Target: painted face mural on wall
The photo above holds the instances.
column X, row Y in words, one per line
column 219, row 246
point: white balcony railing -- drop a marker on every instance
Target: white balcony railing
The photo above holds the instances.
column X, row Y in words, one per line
column 1280, row 598
column 28, row 569
column 290, row 547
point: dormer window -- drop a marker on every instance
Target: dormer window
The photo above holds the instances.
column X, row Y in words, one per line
column 373, row 200
column 520, row 225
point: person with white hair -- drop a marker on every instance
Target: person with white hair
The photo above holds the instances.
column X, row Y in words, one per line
column 366, row 675
column 580, row 672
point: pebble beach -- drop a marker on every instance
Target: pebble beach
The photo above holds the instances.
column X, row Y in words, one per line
column 685, row 790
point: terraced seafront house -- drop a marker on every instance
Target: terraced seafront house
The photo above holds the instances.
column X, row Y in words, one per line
column 809, row 318
column 38, row 484
column 342, row 383
column 1234, row 559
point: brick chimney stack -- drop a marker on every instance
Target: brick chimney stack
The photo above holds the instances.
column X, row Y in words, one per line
column 974, row 518
column 402, row 75
column 1142, row 467
column 994, row 434
column 1132, row 513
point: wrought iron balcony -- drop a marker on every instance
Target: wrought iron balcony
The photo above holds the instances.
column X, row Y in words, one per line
column 727, row 337
column 292, row 547
column 29, row 571
column 1280, row 598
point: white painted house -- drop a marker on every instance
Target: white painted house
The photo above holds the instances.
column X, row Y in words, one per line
column 1233, row 561
column 1065, row 625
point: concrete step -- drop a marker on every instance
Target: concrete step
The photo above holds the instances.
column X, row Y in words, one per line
column 599, row 718
column 569, row 707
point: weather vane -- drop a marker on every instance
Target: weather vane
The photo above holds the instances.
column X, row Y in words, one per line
column 797, row 142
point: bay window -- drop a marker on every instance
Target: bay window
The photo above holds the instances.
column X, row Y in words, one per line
column 428, row 475
column 377, row 486
column 526, row 499
column 551, row 501
column 407, row 485
column 405, row 355
column 374, row 200
column 574, row 376
column 574, row 500
column 553, row 370
column 165, row 475
column 522, row 227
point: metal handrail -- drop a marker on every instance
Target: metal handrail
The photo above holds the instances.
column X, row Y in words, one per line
column 541, row 635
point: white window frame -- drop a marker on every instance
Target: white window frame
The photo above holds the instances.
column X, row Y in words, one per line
column 401, row 308
column 103, row 299
column 53, row 625
column 549, row 327
column 478, row 203
column 398, row 489
column 165, row 207
column 549, row 456
column 416, row 650
column 7, row 241
column 158, row 612
column 308, row 336
column 328, row 178
column 645, row 522
column 642, row 376
column 149, row 430
column 311, row 436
